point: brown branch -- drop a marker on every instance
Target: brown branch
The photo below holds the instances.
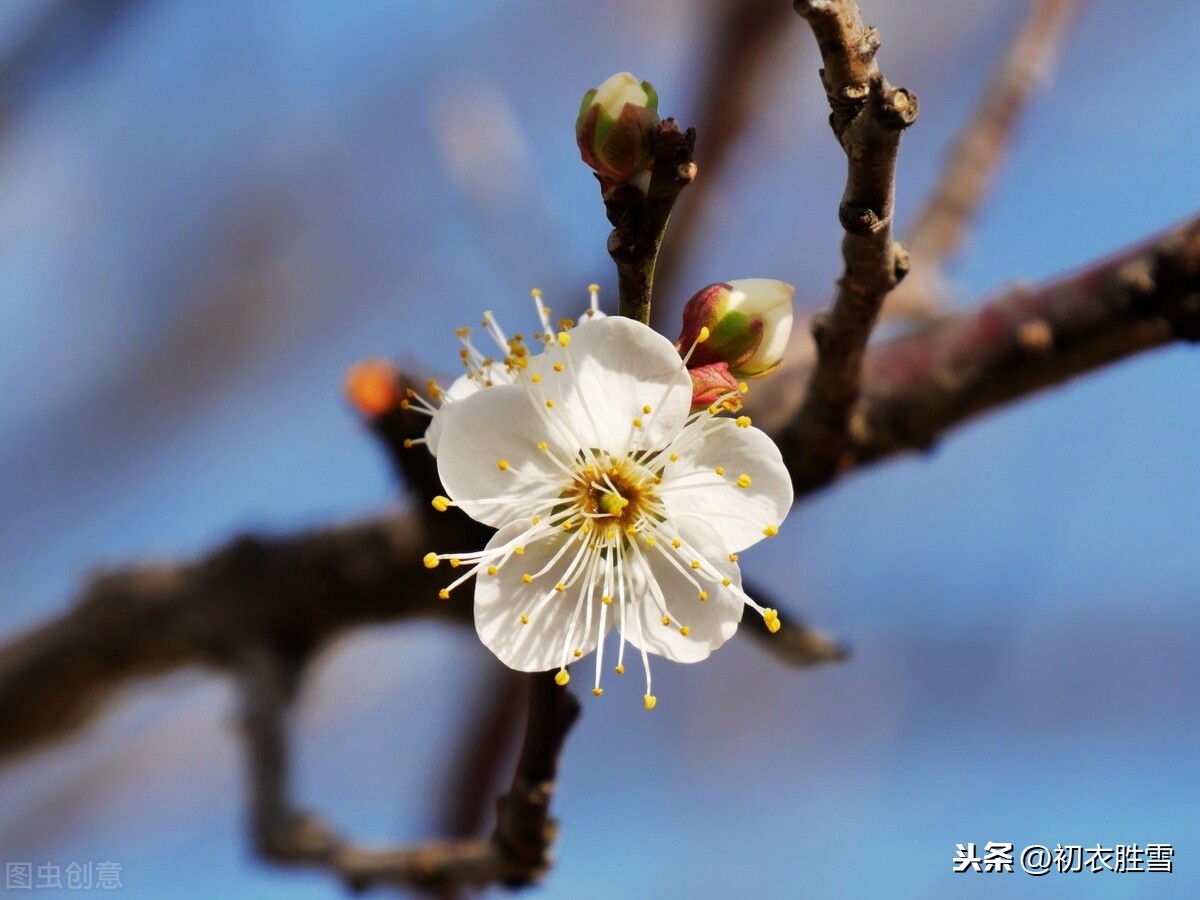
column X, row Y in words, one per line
column 971, row 166
column 868, row 117
column 640, row 223
column 797, row 644
column 295, row 591
column 516, row 854
column 921, row 385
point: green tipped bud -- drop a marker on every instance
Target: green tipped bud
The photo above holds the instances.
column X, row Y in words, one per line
column 616, row 127
column 748, row 323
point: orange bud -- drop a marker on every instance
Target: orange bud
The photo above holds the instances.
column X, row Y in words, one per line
column 371, row 387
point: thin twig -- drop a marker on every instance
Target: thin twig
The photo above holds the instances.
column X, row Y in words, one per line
column 640, row 223
column 868, row 117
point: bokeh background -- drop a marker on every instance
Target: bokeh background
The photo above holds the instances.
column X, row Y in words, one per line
column 208, row 210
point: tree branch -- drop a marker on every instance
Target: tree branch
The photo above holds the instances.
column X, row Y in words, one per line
column 640, row 223
column 868, row 116
column 515, row 855
column 921, row 385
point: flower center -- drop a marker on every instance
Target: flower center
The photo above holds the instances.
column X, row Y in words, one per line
column 618, row 495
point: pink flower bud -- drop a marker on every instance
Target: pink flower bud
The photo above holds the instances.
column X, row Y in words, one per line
column 616, row 127
column 748, row 324
column 712, row 382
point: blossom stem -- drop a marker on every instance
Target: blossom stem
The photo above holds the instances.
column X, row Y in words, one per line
column 641, row 222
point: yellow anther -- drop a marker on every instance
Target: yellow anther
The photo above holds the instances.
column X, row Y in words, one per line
column 646, row 410
column 542, row 445
column 606, row 599
column 720, row 470
column 590, row 469
column 578, row 653
column 535, row 378
column 676, row 543
column 703, row 595
column 455, row 562
column 743, row 387
column 673, row 457
column 560, row 587
column 408, row 443
column 771, row 617
column 743, row 481
column 524, row 619
column 713, row 410
column 462, row 332
column 404, row 404
column 695, row 563
column 492, row 570
column 558, row 367
column 685, row 631
column 742, row 421
column 562, row 677
column 649, row 541
column 502, row 465
column 443, row 594
column 649, row 700
column 771, row 530
column 620, row 670
column 520, row 551
column 430, row 561
column 593, row 288
column 703, row 335
column 567, row 525
column 549, row 404
column 733, row 557
column 726, row 582
column 526, row 577
column 666, row 620
column 610, row 535
column 440, row 503
column 597, row 691
column 637, row 423
column 563, row 339
column 536, row 292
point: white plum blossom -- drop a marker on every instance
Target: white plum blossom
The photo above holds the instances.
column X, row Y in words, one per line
column 615, row 506
column 488, row 371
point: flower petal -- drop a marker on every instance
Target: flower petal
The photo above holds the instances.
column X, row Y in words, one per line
column 710, row 622
column 501, row 600
column 462, row 386
column 488, row 452
column 693, row 491
column 616, row 368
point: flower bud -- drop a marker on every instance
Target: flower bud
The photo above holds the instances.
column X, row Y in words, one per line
column 372, row 389
column 712, row 382
column 616, row 127
column 748, row 324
